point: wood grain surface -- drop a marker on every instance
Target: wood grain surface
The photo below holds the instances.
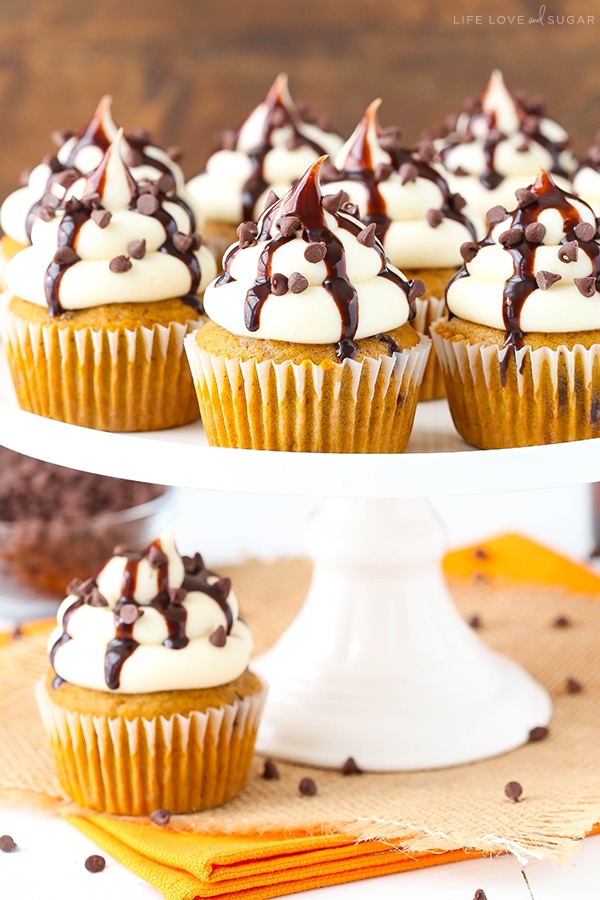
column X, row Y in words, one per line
column 186, row 69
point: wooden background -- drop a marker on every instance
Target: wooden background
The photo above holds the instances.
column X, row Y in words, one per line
column 187, row 68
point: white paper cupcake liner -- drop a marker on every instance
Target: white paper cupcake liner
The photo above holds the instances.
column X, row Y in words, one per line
column 429, row 310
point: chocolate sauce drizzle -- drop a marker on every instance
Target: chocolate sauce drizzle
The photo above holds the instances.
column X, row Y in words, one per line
column 304, row 201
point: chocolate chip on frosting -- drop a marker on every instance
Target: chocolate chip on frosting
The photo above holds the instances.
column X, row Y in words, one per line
column 147, row 204
column 166, row 183
column 182, row 242
column 457, row 202
column 586, row 286
column 271, row 199
column 137, row 249
column 120, row 264
column 101, row 217
column 568, row 252
column 129, row 612
column 175, row 153
column 297, row 283
column 219, row 637
column 496, row 214
column 435, row 217
column 177, row 595
column 95, row 598
column 351, row 209
column 288, row 225
column 512, row 237
column 416, row 289
column 366, row 237
column 156, row 557
column 545, row 279
column 525, row 197
column 333, row 202
column 469, row 250
column 383, row 172
column 65, row 256
column 480, row 894
column 408, row 172
column 535, row 232
column 584, row 231
column 247, row 233
column 315, row 252
column 279, row 284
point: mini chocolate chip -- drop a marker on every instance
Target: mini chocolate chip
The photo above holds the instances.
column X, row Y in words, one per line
column 227, row 139
column 315, row 252
column 279, row 284
column 475, row 622
column 219, row 637
column 530, row 125
column 416, row 288
column 297, row 283
column 568, row 252
column 270, row 771
column 95, row 863
column 383, row 172
column 129, row 613
column 288, row 225
column 95, row 598
column 523, row 146
column 120, row 264
column 133, row 157
column 175, row 153
column 60, row 136
column 45, row 213
column 351, row 209
column 50, row 202
column 460, row 171
column 457, row 202
column 561, row 622
column 91, row 200
column 156, row 557
column 53, row 163
column 328, row 172
column 408, row 172
column 435, row 217
column 351, row 767
column 147, row 204
column 525, row 197
column 247, row 232
column 160, row 817
column 307, row 787
column 586, row 286
column 426, row 150
column 101, row 217
column 137, row 249
column 7, row 844
column 193, row 564
column 584, row 231
column 73, row 586
column 333, row 202
column 481, row 553
column 196, row 240
column 538, row 734
column 366, row 237
column 469, row 250
column 389, row 142
column 271, row 199
column 182, row 242
column 545, row 279
column 535, row 232
column 166, row 183
column 480, row 894
column 65, row 256
column 177, row 595
column 513, row 790
column 496, row 214
column 512, row 237
column 574, row 686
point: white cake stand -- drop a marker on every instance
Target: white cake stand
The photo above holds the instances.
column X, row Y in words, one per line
column 378, row 665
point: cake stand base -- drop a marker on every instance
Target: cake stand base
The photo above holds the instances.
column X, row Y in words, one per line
column 379, row 665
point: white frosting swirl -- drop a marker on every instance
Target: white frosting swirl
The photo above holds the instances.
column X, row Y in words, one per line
column 272, row 149
column 161, row 273
column 85, row 648
column 81, row 154
column 544, row 278
column 499, row 148
column 586, row 184
column 271, row 290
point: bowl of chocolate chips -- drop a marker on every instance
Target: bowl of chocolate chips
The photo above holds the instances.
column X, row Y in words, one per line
column 57, row 522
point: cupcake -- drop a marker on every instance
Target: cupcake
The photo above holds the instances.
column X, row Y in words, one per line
column 521, row 346
column 149, row 703
column 586, row 181
column 418, row 220
column 272, row 149
column 309, row 346
column 79, row 154
column 101, row 301
column 498, row 145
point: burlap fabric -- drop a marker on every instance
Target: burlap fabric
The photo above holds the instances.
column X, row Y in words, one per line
column 421, row 812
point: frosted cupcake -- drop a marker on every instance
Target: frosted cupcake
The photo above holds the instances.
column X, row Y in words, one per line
column 521, row 348
column 149, row 703
column 101, row 302
column 497, row 146
column 418, row 220
column 272, row 149
column 310, row 346
column 586, row 181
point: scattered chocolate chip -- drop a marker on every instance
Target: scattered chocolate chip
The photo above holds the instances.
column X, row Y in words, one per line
column 333, row 202
column 193, row 564
column 279, row 284
column 182, row 242
column 288, row 225
column 383, row 172
column 91, row 200
column 328, row 172
column 137, row 249
column 408, row 172
column 7, row 844
column 416, row 288
column 561, row 622
column 538, row 734
column 535, row 232
column 574, row 686
column 457, row 202
column 475, row 622
column 435, row 217
column 530, row 125
column 160, row 817
column 175, row 153
column 73, row 205
column 50, row 202
column 481, row 553
column 586, row 286
column 270, row 771
column 45, row 213
column 568, row 252
column 512, row 237
column 351, row 767
column 297, row 283
column 480, row 894
column 525, row 197
column 129, row 613
column 584, row 231
column 95, row 598
column 53, row 163
column 545, row 279
column 425, row 150
column 513, row 790
column 101, row 217
column 247, row 233
column 166, row 183
column 60, row 136
column 523, row 147
column 307, row 787
column 177, row 595
column 315, row 252
column 133, row 156
column 469, row 250
column 219, row 637
column 350, row 209
column 496, row 214
column 120, row 264
column 147, row 204
column 65, row 256
column 271, row 199
column 366, row 237
column 95, row 863
column 156, row 557
column 66, row 178
column 197, row 240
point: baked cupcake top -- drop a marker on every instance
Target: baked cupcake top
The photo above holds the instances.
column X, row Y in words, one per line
column 150, row 621
column 538, row 269
column 111, row 239
column 497, row 145
column 310, row 272
column 79, row 154
column 586, row 181
column 417, row 218
column 270, row 151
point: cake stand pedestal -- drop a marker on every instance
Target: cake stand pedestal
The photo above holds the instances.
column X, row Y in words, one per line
column 378, row 665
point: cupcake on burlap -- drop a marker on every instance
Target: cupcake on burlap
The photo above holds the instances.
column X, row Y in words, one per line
column 310, row 346
column 521, row 346
column 101, row 302
column 417, row 219
column 149, row 703
column 272, row 148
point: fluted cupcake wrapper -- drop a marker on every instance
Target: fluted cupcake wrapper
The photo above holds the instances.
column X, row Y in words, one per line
column 183, row 763
column 529, row 397
column 429, row 310
column 349, row 407
column 115, row 380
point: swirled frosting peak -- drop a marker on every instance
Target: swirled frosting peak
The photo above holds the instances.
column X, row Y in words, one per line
column 497, row 145
column 271, row 150
column 417, row 218
column 586, row 181
column 310, row 272
column 150, row 621
column 79, row 154
column 538, row 270
column 112, row 239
